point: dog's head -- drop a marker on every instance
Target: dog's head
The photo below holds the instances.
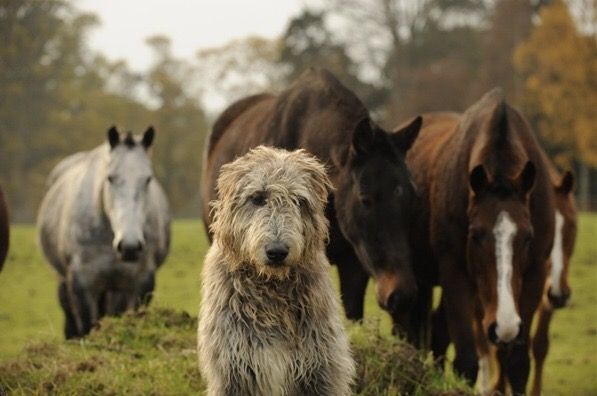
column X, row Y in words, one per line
column 270, row 211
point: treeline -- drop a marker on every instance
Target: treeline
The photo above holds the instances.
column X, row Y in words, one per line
column 401, row 57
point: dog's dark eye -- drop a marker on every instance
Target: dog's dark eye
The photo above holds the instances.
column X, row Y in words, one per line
column 258, row 199
column 301, row 202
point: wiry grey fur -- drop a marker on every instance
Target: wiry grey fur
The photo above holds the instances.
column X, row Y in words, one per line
column 266, row 330
column 84, row 216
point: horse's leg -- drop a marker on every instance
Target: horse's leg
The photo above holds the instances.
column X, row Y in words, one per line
column 353, row 283
column 146, row 289
column 460, row 313
column 483, row 351
column 70, row 325
column 500, row 384
column 420, row 316
column 540, row 346
column 516, row 361
column 84, row 304
column 440, row 336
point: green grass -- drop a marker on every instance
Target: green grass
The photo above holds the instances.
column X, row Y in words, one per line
column 143, row 357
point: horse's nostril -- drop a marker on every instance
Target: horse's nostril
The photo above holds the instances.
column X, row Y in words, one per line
column 393, row 301
column 129, row 251
column 492, row 333
column 398, row 300
column 276, row 252
column 558, row 301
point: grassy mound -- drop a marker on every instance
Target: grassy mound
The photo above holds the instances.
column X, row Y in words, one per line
column 152, row 352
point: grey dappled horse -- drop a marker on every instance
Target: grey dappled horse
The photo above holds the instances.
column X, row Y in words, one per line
column 104, row 225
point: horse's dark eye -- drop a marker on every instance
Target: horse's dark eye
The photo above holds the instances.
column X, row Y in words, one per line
column 528, row 238
column 258, row 199
column 111, row 179
column 399, row 191
column 148, row 180
column 366, row 202
column 478, row 236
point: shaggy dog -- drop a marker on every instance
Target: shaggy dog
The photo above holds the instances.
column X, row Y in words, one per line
column 269, row 322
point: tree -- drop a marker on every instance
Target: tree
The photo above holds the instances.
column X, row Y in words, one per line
column 41, row 56
column 239, row 68
column 424, row 52
column 181, row 128
column 308, row 42
column 559, row 70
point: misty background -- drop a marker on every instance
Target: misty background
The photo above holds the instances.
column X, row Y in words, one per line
column 71, row 69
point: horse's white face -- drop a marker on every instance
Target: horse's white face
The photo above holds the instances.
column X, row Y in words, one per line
column 126, row 187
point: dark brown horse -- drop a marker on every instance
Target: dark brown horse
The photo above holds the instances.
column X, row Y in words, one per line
column 557, row 288
column 4, row 231
column 370, row 209
column 489, row 220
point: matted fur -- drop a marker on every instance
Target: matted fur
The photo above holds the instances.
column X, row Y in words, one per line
column 267, row 330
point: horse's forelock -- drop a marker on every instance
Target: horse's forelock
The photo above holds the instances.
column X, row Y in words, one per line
column 129, row 140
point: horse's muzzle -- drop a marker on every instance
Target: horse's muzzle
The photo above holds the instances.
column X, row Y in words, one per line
column 129, row 251
column 558, row 301
column 493, row 337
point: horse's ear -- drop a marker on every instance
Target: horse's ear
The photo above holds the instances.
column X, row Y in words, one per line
column 113, row 136
column 478, row 179
column 404, row 138
column 526, row 179
column 566, row 184
column 362, row 137
column 148, row 137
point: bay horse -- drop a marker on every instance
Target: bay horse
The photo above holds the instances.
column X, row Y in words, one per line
column 488, row 221
column 4, row 230
column 557, row 287
column 370, row 209
column 104, row 225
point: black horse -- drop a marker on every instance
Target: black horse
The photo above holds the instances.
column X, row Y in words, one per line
column 370, row 209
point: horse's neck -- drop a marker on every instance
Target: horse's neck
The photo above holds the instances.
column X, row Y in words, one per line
column 93, row 185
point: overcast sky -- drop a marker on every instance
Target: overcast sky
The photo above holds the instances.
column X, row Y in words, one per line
column 190, row 24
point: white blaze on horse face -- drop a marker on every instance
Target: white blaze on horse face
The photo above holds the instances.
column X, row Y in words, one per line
column 128, row 171
column 557, row 256
column 507, row 318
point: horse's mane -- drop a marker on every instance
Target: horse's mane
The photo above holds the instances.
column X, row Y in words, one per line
column 496, row 143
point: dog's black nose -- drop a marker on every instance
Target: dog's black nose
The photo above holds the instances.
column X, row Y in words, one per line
column 276, row 252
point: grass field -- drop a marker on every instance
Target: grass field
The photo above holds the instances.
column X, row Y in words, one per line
column 29, row 311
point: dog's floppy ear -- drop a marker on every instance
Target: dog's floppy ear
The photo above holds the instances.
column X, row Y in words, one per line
column 318, row 177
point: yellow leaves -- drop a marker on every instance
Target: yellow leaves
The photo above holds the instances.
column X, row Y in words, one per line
column 558, row 66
